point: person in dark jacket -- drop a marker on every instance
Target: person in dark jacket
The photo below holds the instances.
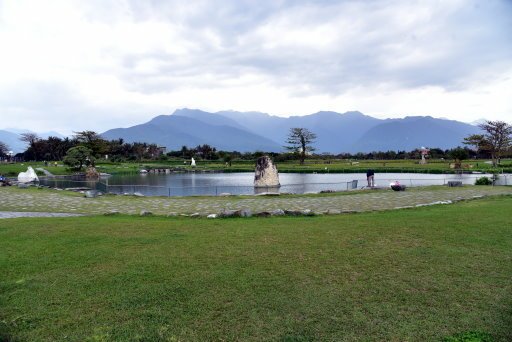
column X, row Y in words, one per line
column 370, row 174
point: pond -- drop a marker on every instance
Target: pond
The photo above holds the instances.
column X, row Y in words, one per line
column 191, row 184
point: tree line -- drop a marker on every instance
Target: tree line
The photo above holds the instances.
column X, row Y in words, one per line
column 55, row 148
column 495, row 142
column 87, row 146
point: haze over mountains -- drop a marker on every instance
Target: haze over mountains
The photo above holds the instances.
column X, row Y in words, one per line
column 254, row 131
column 11, row 137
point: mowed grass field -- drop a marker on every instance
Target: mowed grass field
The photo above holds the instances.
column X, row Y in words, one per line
column 408, row 275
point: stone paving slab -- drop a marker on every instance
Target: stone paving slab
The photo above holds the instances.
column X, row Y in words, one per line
column 17, row 214
column 52, row 201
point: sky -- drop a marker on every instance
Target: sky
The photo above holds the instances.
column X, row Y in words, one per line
column 98, row 64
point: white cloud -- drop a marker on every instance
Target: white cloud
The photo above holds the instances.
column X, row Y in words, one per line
column 98, row 65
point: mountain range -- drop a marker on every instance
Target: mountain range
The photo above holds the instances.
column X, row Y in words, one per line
column 254, row 131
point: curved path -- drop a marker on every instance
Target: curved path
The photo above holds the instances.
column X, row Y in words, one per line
column 46, row 172
column 53, row 201
column 17, row 214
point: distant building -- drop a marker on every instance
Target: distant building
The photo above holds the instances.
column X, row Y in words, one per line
column 161, row 150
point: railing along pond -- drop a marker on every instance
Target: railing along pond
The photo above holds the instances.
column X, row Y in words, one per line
column 300, row 188
column 155, row 190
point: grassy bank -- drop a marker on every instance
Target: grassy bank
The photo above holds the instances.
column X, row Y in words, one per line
column 312, row 165
column 13, row 169
column 345, row 166
column 417, row 274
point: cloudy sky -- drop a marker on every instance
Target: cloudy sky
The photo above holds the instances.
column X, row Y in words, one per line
column 74, row 65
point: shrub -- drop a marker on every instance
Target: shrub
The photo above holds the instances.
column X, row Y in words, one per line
column 483, row 181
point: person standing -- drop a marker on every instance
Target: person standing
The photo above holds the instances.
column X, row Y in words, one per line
column 370, row 174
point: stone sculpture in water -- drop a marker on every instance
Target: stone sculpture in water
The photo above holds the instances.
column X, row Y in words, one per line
column 28, row 176
column 266, row 175
column 91, row 173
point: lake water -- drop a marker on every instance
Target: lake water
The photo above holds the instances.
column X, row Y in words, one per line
column 190, row 184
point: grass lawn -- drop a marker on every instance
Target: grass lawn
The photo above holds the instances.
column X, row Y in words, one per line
column 336, row 166
column 13, row 169
column 415, row 275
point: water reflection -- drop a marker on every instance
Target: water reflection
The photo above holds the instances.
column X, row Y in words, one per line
column 190, row 184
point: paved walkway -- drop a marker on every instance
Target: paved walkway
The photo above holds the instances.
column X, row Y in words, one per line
column 16, row 214
column 53, row 201
column 46, row 172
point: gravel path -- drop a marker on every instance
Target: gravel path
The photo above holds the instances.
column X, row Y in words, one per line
column 52, row 201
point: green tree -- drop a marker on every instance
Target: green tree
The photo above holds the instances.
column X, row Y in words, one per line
column 139, row 150
column 78, row 156
column 478, row 141
column 300, row 141
column 206, row 151
column 31, row 139
column 3, row 149
column 86, row 136
column 93, row 141
column 497, row 138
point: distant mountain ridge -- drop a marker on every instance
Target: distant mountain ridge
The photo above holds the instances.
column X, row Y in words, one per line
column 195, row 128
column 12, row 140
column 415, row 131
column 254, row 131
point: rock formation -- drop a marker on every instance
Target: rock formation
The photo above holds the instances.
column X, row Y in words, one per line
column 91, row 173
column 266, row 174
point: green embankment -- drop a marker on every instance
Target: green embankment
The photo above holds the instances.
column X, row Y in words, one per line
column 418, row 274
column 312, row 165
